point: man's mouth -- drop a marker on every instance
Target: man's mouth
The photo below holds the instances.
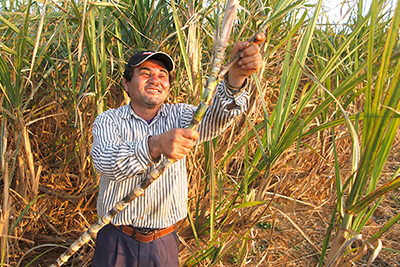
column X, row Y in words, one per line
column 153, row 90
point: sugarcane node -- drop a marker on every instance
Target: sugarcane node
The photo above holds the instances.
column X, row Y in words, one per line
column 63, row 259
column 108, row 217
column 97, row 226
column 215, row 71
column 138, row 191
column 202, row 106
column 151, row 177
column 79, row 243
column 86, row 237
column 195, row 122
column 91, row 231
column 112, row 212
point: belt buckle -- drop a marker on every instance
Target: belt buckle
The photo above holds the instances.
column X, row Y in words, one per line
column 146, row 232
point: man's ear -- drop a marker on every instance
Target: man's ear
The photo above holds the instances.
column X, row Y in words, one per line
column 125, row 84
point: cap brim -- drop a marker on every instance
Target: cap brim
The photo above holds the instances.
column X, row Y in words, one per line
column 161, row 56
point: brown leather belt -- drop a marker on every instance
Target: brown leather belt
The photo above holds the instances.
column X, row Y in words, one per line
column 146, row 237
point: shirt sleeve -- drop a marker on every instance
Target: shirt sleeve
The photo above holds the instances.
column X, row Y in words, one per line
column 114, row 158
column 217, row 116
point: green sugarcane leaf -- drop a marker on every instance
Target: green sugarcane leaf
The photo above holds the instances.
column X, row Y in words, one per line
column 25, row 211
column 363, row 203
column 182, row 44
column 387, row 226
column 250, row 204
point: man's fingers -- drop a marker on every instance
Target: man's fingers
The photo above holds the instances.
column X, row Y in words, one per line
column 251, row 50
column 190, row 134
column 239, row 47
column 178, row 142
column 182, row 149
column 250, row 57
column 186, row 143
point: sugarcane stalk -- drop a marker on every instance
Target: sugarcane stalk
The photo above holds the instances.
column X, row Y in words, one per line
column 213, row 79
column 150, row 177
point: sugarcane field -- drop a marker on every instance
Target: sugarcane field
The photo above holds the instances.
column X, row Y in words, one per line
column 307, row 174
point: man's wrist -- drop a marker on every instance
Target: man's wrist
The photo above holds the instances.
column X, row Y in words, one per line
column 235, row 89
column 153, row 151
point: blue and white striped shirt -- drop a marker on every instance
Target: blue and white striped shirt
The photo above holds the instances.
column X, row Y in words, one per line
column 120, row 153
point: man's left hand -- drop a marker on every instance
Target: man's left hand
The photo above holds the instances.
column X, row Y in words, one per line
column 250, row 61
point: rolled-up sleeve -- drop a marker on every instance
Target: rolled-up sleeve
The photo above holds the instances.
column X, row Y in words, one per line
column 217, row 116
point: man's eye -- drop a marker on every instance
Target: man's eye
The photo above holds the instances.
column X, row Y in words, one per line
column 145, row 73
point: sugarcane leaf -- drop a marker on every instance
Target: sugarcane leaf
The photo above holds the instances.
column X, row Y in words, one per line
column 250, row 204
column 392, row 109
column 387, row 226
column 376, row 252
column 182, row 44
column 363, row 203
column 25, row 211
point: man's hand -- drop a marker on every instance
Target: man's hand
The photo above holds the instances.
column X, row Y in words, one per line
column 250, row 61
column 174, row 144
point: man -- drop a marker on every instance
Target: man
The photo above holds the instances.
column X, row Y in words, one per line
column 130, row 140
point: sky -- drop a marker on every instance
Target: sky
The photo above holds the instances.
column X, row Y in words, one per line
column 336, row 9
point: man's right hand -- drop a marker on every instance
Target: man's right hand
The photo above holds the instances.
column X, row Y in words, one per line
column 174, row 144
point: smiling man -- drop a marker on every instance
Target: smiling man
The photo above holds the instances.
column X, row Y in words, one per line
column 131, row 140
column 149, row 88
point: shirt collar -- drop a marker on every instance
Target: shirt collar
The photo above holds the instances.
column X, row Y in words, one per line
column 126, row 112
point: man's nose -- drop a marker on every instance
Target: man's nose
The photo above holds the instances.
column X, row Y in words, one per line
column 154, row 79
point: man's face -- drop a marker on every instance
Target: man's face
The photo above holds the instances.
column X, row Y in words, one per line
column 149, row 86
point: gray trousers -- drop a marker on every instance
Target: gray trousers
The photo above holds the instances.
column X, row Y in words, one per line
column 117, row 249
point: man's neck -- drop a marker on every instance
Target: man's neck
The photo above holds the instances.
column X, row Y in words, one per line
column 146, row 114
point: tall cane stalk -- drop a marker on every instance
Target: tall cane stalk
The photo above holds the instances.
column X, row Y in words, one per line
column 149, row 178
